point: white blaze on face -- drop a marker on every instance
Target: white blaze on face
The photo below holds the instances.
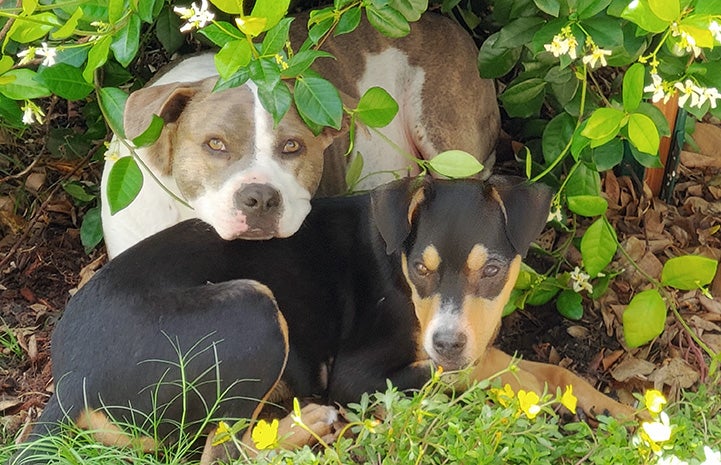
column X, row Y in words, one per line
column 217, row 207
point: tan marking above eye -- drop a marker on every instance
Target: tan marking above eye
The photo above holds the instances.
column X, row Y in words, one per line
column 477, row 257
column 291, row 146
column 216, row 145
column 431, row 258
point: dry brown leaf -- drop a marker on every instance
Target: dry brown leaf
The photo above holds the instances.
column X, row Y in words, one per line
column 677, row 374
column 632, row 367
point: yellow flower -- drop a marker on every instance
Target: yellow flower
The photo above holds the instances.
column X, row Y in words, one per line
column 504, row 396
column 222, row 434
column 654, row 401
column 529, row 403
column 265, row 435
column 568, row 400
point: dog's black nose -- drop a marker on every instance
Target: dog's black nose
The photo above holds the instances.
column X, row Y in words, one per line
column 257, row 198
column 449, row 344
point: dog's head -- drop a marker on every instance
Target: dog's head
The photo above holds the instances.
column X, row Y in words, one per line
column 460, row 244
column 243, row 175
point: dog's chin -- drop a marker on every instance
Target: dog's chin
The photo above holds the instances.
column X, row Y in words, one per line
column 252, row 235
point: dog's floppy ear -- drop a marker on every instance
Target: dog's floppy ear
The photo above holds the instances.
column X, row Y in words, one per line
column 167, row 101
column 526, row 209
column 392, row 209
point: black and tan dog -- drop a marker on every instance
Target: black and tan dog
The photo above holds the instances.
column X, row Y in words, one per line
column 375, row 287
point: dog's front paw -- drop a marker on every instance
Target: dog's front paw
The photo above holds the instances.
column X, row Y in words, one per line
column 316, row 421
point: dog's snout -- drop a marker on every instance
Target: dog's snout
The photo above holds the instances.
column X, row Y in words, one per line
column 257, row 198
column 449, row 344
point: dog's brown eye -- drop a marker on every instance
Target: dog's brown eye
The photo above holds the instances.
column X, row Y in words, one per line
column 490, row 270
column 291, row 146
column 422, row 269
column 216, row 145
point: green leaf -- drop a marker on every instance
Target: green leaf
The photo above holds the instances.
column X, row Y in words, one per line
column 91, row 231
column 124, row 183
column 410, row 9
column 645, row 159
column 598, row 246
column 608, row 155
column 455, row 164
column 112, row 102
column 605, row 32
column 10, row 112
column 115, row 10
column 151, row 133
column 272, row 10
column 569, row 304
column 31, row 28
column 276, row 37
column 525, row 98
column 221, row 32
column 519, row 32
column 77, row 191
column 145, row 9
column 234, row 7
column 68, row 29
column 494, row 61
column 97, row 56
column 376, row 108
column 644, row 318
column 688, row 272
column 589, row 8
column 348, row 22
column 301, row 61
column 23, row 85
column 643, row 133
column 234, row 55
column 65, row 81
column 666, row 10
column 603, row 124
column 126, row 41
column 556, row 136
column 167, row 30
column 237, row 79
column 318, row 101
column 388, row 21
column 707, row 7
column 639, row 12
column 587, row 205
column 552, row 7
column 29, row 6
column 354, row 171
column 633, row 87
column 6, row 64
column 542, row 292
column 583, row 181
column 277, row 101
column 265, row 72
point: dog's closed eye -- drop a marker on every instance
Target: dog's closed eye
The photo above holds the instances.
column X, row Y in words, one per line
column 490, row 271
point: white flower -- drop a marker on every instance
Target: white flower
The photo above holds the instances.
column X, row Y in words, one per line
column 658, row 431
column 555, row 215
column 195, row 17
column 597, row 54
column 709, row 93
column 572, row 44
column 579, row 280
column 671, row 460
column 712, row 457
column 32, row 113
column 688, row 89
column 715, row 29
column 658, row 89
column 687, row 42
column 47, row 52
column 558, row 46
column 27, row 56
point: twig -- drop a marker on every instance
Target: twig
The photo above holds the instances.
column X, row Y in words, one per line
column 10, row 21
